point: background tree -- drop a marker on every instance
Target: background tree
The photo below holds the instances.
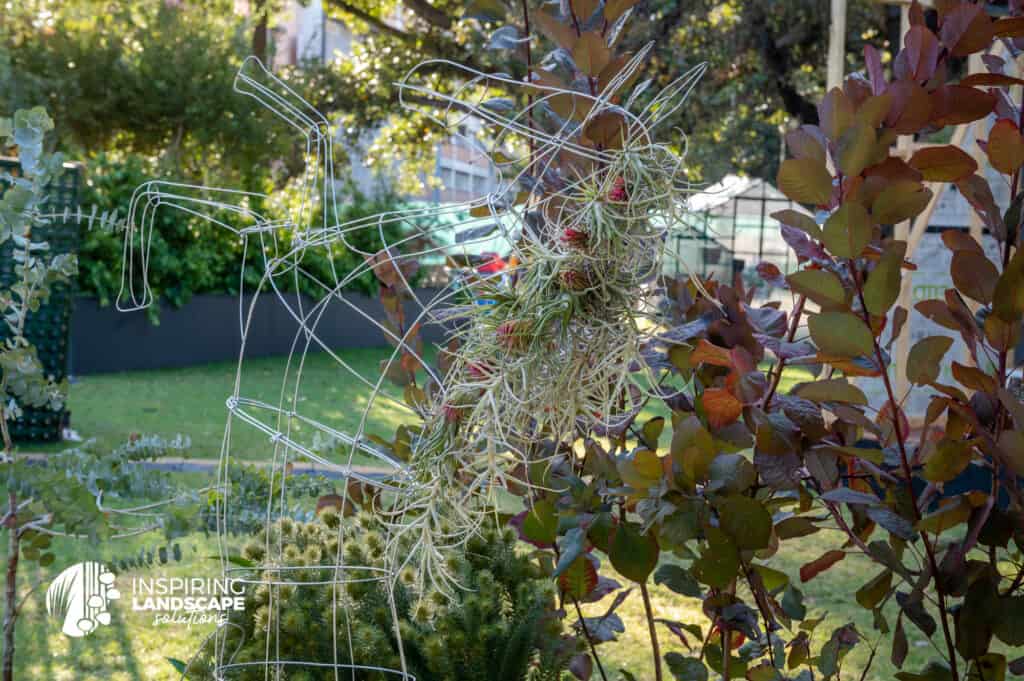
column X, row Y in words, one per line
column 767, row 65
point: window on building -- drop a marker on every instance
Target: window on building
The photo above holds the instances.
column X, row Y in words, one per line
column 462, row 181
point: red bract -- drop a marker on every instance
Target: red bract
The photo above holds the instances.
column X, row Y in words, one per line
column 618, row 192
column 574, row 280
column 452, row 413
column 513, row 335
column 479, row 370
column 575, row 238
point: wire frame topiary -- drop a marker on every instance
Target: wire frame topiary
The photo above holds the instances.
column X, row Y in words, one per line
column 536, row 354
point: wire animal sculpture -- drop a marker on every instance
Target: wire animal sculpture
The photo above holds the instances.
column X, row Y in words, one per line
column 545, row 350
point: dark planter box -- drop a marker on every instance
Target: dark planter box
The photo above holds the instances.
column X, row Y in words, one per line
column 207, row 329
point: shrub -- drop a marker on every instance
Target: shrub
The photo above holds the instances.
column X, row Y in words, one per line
column 500, row 626
column 190, row 257
column 548, row 384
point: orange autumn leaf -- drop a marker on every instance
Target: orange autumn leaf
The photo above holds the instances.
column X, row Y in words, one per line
column 721, row 407
column 708, row 353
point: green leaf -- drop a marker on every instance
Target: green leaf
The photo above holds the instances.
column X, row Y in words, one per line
column 1011, row 443
column 947, row 461
column 794, row 527
column 857, row 148
column 731, row 474
column 652, row 431
column 633, row 554
column 841, row 334
column 178, row 665
column 579, row 579
column 802, row 221
column 678, row 579
column 1008, row 623
column 877, row 588
column 822, row 287
column 1008, row 298
column 892, row 521
column 571, row 547
column 805, row 180
column 974, row 620
column 540, row 525
column 793, row 603
column 774, row 580
column 988, row 667
column 831, row 390
column 718, row 561
column 925, row 359
column 867, row 453
column 948, row 516
column 486, row 10
column 933, row 671
column 899, row 201
column 832, row 653
column 883, row 286
column 848, row 230
column 686, row 668
column 746, row 520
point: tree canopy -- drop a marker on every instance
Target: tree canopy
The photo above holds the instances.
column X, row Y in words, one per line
column 766, row 63
column 155, row 77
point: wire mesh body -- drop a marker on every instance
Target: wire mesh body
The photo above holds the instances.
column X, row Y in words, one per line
column 538, row 353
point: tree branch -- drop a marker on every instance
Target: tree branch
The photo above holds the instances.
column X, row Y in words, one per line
column 377, row 23
column 429, row 13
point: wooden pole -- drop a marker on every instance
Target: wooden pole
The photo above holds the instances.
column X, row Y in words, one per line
column 913, row 233
column 836, row 45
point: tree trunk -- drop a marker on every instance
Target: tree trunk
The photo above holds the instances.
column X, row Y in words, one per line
column 11, row 593
column 259, row 34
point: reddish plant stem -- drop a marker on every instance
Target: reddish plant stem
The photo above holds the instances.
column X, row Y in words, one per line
column 529, row 78
column 590, row 641
column 769, row 620
column 793, row 326
column 907, row 473
column 655, row 648
column 583, row 625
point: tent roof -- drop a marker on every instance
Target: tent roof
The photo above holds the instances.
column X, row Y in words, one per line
column 732, row 187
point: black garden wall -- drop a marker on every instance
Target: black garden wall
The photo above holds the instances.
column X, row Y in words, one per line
column 207, row 330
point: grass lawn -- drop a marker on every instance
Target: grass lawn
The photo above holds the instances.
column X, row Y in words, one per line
column 191, row 401
column 829, row 595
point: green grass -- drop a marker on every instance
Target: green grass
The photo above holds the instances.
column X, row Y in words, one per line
column 829, row 594
column 191, row 401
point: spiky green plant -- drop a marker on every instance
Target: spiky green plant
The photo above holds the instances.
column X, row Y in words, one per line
column 501, row 626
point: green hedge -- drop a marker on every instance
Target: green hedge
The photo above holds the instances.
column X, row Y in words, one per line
column 189, row 256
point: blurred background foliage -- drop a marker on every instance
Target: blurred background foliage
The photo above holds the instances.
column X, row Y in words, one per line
column 144, row 89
